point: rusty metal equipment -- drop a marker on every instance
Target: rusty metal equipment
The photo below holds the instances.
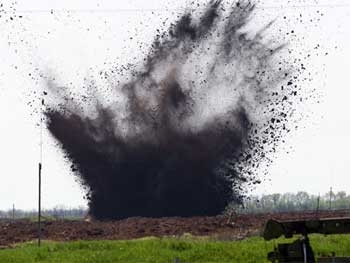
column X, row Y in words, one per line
column 300, row 251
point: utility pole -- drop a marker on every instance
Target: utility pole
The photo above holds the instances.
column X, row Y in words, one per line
column 13, row 212
column 40, row 167
column 318, row 205
column 39, row 208
column 330, row 198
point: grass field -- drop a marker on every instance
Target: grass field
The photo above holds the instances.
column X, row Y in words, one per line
column 185, row 249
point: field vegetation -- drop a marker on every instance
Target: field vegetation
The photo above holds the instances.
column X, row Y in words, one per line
column 184, row 249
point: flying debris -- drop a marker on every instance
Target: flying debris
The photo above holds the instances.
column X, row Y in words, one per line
column 191, row 126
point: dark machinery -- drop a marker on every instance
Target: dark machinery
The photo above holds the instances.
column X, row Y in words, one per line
column 300, row 251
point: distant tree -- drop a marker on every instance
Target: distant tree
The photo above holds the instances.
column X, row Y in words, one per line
column 294, row 202
column 340, row 195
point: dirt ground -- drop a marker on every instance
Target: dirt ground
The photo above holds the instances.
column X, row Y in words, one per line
column 232, row 227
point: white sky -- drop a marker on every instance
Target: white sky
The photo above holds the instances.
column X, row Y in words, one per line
column 69, row 44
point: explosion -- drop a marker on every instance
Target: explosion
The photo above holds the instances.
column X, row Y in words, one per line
column 185, row 133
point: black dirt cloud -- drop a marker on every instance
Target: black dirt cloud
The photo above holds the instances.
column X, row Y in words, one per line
column 180, row 136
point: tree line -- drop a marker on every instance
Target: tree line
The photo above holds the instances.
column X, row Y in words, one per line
column 299, row 201
column 285, row 202
column 59, row 212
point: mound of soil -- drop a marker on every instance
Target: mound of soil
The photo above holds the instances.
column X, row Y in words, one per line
column 231, row 227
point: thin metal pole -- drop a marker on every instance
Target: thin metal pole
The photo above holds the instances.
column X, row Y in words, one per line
column 304, row 252
column 39, row 208
column 40, row 166
column 318, row 205
column 13, row 212
column 330, row 198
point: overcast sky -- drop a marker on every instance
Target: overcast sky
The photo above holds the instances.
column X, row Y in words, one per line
column 94, row 35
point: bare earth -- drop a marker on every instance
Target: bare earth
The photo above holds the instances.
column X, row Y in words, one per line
column 232, row 227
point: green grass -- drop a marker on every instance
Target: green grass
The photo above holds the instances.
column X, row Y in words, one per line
column 186, row 249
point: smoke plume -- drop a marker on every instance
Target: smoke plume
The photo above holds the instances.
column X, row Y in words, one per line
column 187, row 131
